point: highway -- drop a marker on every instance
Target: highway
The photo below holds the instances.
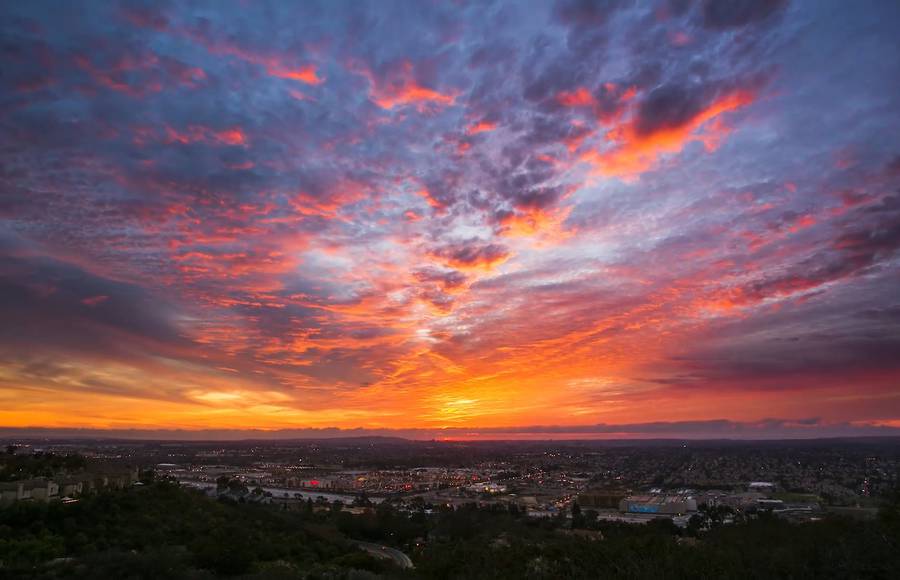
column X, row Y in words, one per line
column 380, row 551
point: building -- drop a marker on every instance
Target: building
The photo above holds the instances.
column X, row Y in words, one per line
column 744, row 500
column 44, row 489
column 70, row 487
column 11, row 491
column 669, row 505
column 761, row 486
column 601, row 499
column 319, row 483
column 487, row 487
column 39, row 489
column 770, row 504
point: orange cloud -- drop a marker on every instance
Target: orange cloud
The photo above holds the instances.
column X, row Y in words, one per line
column 472, row 256
column 680, row 38
column 634, row 152
column 801, row 223
column 546, row 224
column 201, row 134
column 481, row 127
column 628, row 94
column 432, row 201
column 306, row 74
column 327, row 206
column 231, row 137
column 274, row 64
column 94, row 300
column 119, row 76
column 400, row 88
column 580, row 97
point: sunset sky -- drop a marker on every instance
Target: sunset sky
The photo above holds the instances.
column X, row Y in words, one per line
column 515, row 217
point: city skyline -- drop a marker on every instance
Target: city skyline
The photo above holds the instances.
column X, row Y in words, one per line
column 490, row 220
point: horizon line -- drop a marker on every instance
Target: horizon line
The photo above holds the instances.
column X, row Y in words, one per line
column 709, row 430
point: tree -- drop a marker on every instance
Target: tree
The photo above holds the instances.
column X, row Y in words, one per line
column 237, row 486
column 695, row 525
column 577, row 518
column 148, row 476
column 226, row 551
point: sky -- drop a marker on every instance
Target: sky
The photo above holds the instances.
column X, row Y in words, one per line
column 479, row 218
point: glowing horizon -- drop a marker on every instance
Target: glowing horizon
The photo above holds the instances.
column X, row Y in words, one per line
column 478, row 216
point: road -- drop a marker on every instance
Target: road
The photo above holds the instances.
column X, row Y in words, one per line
column 380, row 551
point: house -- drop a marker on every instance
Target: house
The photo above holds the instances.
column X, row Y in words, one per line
column 70, row 487
column 39, row 489
column 42, row 489
column 11, row 491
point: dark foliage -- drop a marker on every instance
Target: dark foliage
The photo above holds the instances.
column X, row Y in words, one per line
column 17, row 467
column 163, row 531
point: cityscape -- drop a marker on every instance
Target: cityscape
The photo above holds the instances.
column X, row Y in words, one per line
column 542, row 479
column 449, row 289
column 570, row 489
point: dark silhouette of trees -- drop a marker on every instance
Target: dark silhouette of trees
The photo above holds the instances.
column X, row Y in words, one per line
column 161, row 530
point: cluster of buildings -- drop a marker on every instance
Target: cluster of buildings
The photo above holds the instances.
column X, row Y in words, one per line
column 369, row 481
column 629, row 481
column 66, row 488
column 620, row 505
column 661, row 504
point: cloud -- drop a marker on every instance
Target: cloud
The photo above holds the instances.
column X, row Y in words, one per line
column 724, row 14
column 580, row 97
column 277, row 65
column 471, row 254
column 301, row 214
column 481, row 127
column 862, row 245
column 719, row 429
column 195, row 133
column 398, row 87
column 586, row 12
column 664, row 122
column 95, row 300
column 51, row 304
column 448, row 279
